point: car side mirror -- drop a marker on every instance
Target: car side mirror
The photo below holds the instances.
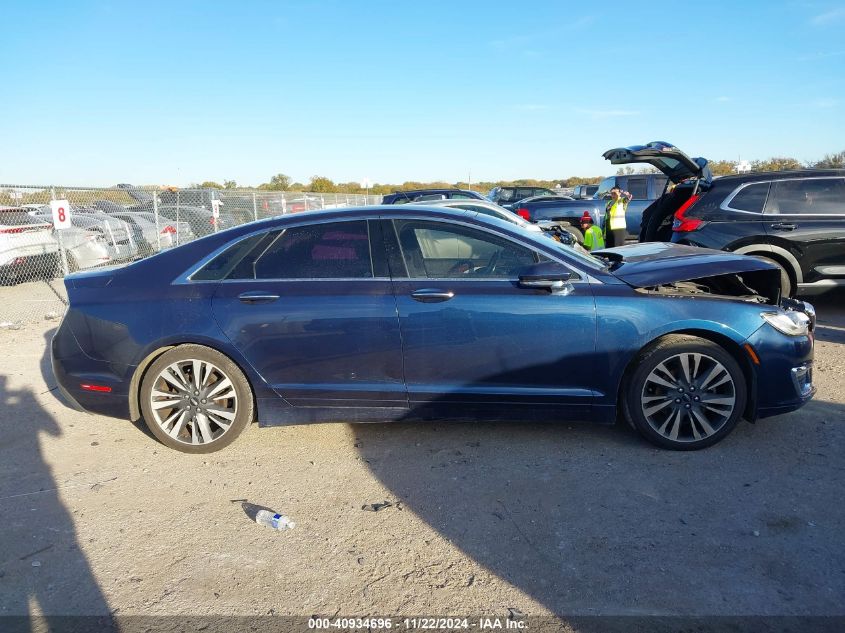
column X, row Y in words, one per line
column 549, row 276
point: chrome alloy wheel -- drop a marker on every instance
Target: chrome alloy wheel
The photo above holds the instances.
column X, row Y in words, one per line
column 688, row 397
column 193, row 401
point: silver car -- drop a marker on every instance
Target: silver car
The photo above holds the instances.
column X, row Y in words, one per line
column 112, row 233
column 151, row 236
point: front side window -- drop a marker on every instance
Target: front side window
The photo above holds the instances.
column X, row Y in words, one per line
column 605, row 186
column 811, row 196
column 437, row 250
column 751, row 198
column 336, row 250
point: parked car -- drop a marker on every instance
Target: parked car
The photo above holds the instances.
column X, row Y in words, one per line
column 149, row 233
column 200, row 218
column 644, row 188
column 28, row 250
column 584, row 192
column 687, row 175
column 794, row 219
column 552, row 229
column 114, row 234
column 484, row 207
column 506, row 196
column 420, row 195
column 151, row 237
column 402, row 312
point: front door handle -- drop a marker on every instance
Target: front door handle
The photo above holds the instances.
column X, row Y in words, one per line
column 257, row 296
column 784, row 226
column 431, row 295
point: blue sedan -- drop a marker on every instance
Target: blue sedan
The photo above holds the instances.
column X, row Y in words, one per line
column 399, row 312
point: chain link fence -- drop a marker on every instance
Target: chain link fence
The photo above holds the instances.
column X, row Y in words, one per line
column 116, row 226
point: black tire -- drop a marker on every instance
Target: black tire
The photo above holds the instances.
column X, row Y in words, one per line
column 786, row 287
column 641, row 394
column 241, row 406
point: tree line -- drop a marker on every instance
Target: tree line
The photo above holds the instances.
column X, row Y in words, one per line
column 323, row 184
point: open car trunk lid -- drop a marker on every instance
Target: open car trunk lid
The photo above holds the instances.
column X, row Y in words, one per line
column 665, row 157
column 667, row 267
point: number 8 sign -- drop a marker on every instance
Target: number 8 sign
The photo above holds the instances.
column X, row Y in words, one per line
column 61, row 213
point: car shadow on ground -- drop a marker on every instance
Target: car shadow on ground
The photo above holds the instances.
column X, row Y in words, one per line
column 42, row 567
column 592, row 520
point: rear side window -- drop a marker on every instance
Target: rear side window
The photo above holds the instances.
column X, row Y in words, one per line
column 811, row 196
column 751, row 198
column 638, row 188
column 338, row 250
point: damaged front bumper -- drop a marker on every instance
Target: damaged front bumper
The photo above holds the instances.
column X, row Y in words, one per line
column 785, row 369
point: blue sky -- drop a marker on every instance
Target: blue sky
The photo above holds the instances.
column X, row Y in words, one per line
column 174, row 92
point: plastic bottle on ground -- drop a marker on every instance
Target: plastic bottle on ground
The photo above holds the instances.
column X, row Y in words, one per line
column 275, row 521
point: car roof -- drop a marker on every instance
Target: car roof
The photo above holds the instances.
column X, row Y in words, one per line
column 774, row 175
column 413, row 191
column 452, row 202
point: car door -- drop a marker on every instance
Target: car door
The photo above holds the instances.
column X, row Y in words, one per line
column 472, row 336
column 313, row 312
column 806, row 217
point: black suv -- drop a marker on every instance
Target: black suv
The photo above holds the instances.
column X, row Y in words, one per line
column 795, row 219
column 421, row 195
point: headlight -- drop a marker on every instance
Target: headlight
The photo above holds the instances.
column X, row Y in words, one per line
column 790, row 323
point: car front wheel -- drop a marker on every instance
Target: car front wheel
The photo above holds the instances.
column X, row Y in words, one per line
column 685, row 393
column 195, row 400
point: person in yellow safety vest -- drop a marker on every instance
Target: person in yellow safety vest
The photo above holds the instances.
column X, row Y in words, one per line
column 615, row 228
column 593, row 239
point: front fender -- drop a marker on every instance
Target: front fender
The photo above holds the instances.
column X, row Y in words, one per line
column 626, row 327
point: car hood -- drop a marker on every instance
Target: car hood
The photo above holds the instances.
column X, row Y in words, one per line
column 656, row 263
column 665, row 157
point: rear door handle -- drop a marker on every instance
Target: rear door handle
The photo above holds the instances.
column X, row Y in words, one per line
column 784, row 226
column 257, row 296
column 431, row 295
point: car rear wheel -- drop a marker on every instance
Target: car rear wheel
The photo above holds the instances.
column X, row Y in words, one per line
column 195, row 400
column 685, row 393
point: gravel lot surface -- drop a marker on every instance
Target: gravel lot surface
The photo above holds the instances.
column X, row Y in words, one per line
column 99, row 518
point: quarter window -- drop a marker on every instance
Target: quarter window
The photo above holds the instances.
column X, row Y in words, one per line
column 437, row 250
column 751, row 198
column 811, row 196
